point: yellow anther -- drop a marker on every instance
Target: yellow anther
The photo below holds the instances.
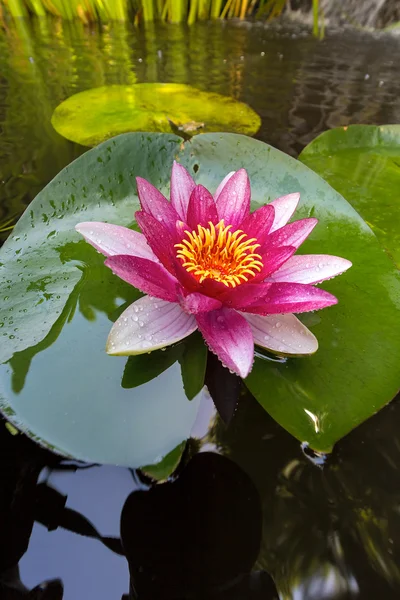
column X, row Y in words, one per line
column 216, row 252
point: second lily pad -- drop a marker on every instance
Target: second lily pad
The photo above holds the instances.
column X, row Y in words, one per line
column 362, row 162
column 95, row 115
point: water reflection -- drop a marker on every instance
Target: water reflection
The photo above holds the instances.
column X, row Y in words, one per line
column 218, row 526
column 195, row 536
column 330, row 532
column 298, row 85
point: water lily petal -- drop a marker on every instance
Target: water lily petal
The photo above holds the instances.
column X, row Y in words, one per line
column 222, row 184
column 244, row 294
column 149, row 324
column 159, row 239
column 284, row 209
column 273, row 259
column 283, row 334
column 155, row 204
column 182, row 185
column 292, row 234
column 149, row 277
column 311, row 268
column 233, row 202
column 198, row 303
column 201, row 208
column 283, row 298
column 258, row 224
column 115, row 239
column 229, row 336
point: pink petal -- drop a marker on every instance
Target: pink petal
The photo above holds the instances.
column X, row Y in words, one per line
column 284, row 209
column 258, row 224
column 149, row 277
column 149, row 324
column 229, row 336
column 182, row 186
column 114, row 239
column 198, row 303
column 156, row 205
column 273, row 259
column 292, row 234
column 283, row 334
column 244, row 294
column 284, row 298
column 201, row 208
column 222, row 184
column 233, row 202
column 159, row 239
column 311, row 268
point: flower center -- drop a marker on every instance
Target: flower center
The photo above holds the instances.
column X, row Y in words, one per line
column 216, row 252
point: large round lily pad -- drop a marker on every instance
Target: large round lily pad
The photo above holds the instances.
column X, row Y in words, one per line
column 59, row 300
column 362, row 162
column 96, row 115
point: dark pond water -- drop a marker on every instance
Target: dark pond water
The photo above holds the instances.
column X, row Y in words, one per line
column 262, row 506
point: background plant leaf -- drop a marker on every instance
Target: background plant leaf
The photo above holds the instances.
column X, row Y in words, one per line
column 193, row 363
column 98, row 114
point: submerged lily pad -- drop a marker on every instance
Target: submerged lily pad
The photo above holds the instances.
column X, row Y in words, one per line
column 59, row 301
column 98, row 114
column 362, row 162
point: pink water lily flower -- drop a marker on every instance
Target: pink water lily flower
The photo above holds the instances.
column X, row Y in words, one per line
column 205, row 262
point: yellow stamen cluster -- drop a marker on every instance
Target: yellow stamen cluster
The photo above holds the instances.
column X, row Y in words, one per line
column 216, row 252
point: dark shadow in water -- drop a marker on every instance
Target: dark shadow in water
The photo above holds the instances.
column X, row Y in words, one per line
column 196, row 537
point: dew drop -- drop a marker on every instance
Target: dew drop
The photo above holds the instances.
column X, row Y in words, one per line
column 278, row 324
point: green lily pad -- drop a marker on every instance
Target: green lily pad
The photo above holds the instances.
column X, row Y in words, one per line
column 362, row 162
column 59, row 300
column 356, row 370
column 58, row 303
column 98, row 114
